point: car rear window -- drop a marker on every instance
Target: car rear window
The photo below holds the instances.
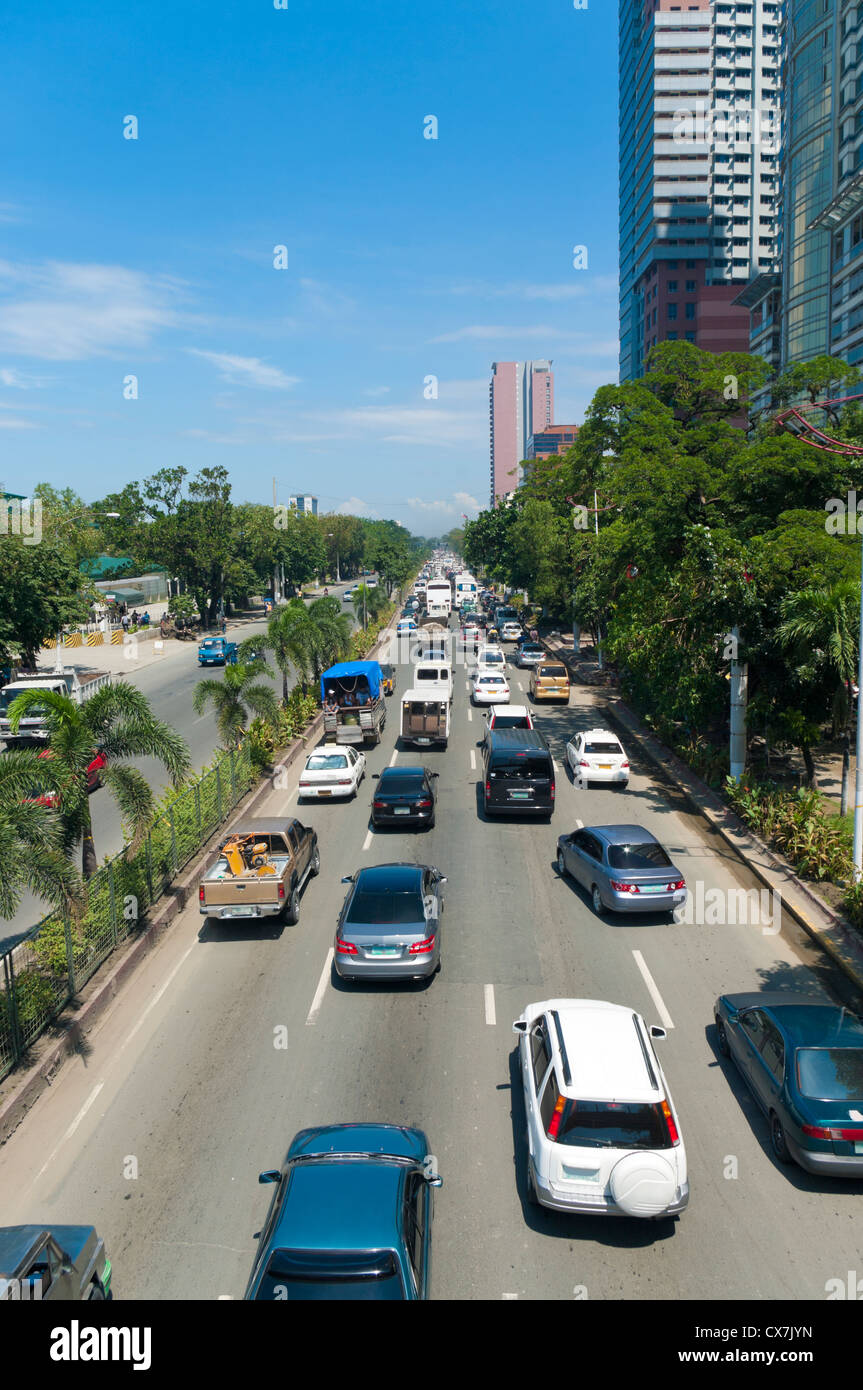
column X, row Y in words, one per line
column 325, row 762
column 490, row 680
column 536, row 765
column 831, row 1073
column 603, row 746
column 648, row 855
column 386, row 909
column 511, row 721
column 613, row 1124
column 311, row 1275
column 403, row 782
column 552, row 671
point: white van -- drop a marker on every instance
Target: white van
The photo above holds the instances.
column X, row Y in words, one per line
column 433, row 672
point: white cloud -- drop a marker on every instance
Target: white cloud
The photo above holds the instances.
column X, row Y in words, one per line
column 355, row 506
column 580, row 287
column 211, row 437
column 460, row 503
column 491, row 333
column 20, row 381
column 7, row 424
column 246, row 371
column 69, row 312
column 377, row 391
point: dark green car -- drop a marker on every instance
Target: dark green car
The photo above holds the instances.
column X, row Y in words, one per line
column 65, row 1263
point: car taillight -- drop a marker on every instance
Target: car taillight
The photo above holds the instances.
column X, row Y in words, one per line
column 343, row 782
column 281, row 890
column 422, row 948
column 424, row 805
column 554, row 1122
column 669, row 1121
column 582, row 762
column 201, row 893
column 552, row 791
column 304, row 784
column 346, row 948
column 624, row 887
column 836, row 1135
column 488, row 788
column 673, row 887
column 379, row 805
column 625, row 763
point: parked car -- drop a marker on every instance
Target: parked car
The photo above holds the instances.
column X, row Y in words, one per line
column 623, row 867
column 550, row 681
column 517, row 773
column 389, row 925
column 603, row 1137
column 350, row 1219
column 597, row 756
column 49, row 793
column 388, row 677
column 488, row 688
column 530, row 654
column 332, row 772
column 65, row 1263
column 802, row 1058
column 404, row 796
column 508, row 717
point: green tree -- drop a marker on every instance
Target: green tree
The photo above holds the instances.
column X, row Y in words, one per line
column 117, row 721
column 31, row 842
column 234, row 698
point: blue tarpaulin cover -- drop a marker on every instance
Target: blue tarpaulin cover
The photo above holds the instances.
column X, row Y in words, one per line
column 353, row 675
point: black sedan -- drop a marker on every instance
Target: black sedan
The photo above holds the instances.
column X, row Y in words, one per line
column 405, row 796
column 802, row 1058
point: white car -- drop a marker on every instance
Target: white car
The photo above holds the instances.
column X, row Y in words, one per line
column 513, row 717
column 405, row 625
column 603, row 1137
column 596, row 755
column 510, row 632
column 332, row 772
column 492, row 658
column 488, row 688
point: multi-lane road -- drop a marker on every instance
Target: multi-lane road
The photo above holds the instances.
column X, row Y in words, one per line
column 156, row 1133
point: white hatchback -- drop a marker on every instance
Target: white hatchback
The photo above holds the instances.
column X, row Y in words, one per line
column 597, row 756
column 332, row 772
column 603, row 1137
column 488, row 688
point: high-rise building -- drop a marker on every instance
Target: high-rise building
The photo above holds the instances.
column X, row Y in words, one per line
column 699, row 151
column 554, row 439
column 521, row 403
column 304, row 503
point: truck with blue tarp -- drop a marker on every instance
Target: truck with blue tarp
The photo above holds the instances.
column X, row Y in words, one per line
column 353, row 698
column 216, row 651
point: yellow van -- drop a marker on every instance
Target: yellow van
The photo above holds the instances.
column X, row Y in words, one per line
column 550, row 681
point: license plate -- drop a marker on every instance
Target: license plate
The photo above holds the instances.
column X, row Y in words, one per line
column 858, row 1147
column 239, row 912
column 581, row 1174
column 604, row 767
column 520, row 796
column 322, row 792
column 654, row 888
column 383, row 951
column 401, row 811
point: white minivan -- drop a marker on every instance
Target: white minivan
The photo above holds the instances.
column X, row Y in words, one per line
column 433, row 673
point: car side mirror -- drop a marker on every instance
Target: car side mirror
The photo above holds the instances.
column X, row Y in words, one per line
column 520, row 1026
column 435, row 1182
column 271, row 1175
column 348, row 878
column 656, row 1032
column 375, row 776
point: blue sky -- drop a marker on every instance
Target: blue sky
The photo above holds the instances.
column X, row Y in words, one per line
column 407, row 257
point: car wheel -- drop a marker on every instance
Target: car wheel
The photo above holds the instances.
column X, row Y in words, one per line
column 316, row 863
column 778, row 1142
column 561, row 864
column 596, row 898
column 721, row 1037
column 292, row 911
column 431, row 823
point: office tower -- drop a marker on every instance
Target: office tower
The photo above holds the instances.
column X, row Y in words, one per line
column 304, row 503
column 521, row 403
column 699, row 151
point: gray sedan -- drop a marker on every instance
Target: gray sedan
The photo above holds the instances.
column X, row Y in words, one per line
column 623, row 867
column 389, row 926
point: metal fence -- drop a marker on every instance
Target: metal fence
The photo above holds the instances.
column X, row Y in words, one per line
column 44, row 971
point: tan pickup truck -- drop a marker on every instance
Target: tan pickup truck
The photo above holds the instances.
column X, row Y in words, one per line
column 260, row 871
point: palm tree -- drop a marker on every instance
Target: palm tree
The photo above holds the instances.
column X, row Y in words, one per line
column 31, row 842
column 117, row 721
column 290, row 637
column 331, row 633
column 234, row 698
column 819, row 625
column 368, row 603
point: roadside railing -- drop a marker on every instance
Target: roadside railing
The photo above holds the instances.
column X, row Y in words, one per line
column 40, row 974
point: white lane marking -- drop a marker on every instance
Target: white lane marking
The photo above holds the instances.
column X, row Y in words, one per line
column 201, row 718
column 154, row 1001
column 393, row 758
column 555, row 765
column 71, row 1130
column 368, row 840
column 490, row 1015
column 653, row 991
column 521, row 687
column 510, row 1296
column 321, row 989
column 473, row 760
column 579, row 824
column 225, row 1298
column 470, row 714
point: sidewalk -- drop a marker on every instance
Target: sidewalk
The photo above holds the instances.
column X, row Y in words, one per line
column 826, row 927
column 137, row 649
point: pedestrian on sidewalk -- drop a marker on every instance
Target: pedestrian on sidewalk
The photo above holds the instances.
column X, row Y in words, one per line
column 124, row 621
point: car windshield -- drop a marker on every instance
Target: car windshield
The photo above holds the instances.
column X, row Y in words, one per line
column 402, row 782
column 600, row 746
column 326, row 762
column 313, row 1275
column 831, row 1073
column 649, row 855
column 613, row 1124
column 386, row 909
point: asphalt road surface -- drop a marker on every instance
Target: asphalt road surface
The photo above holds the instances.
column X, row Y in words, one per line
column 157, row 1131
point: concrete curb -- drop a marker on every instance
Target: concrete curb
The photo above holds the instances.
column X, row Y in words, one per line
column 836, row 937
